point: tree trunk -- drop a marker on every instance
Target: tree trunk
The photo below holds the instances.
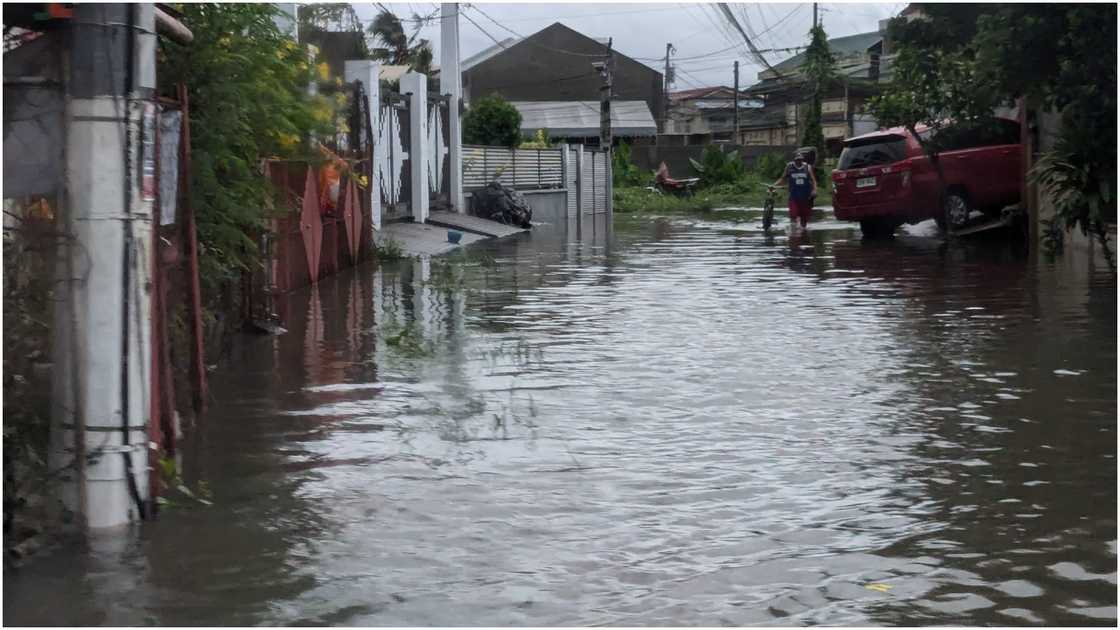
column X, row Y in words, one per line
column 934, row 159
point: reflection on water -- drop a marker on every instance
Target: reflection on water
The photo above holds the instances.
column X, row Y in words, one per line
column 679, row 421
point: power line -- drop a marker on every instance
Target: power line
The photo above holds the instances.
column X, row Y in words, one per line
column 731, row 18
column 523, row 38
column 484, row 31
column 581, row 15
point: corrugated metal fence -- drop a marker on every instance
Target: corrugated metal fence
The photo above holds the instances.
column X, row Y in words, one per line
column 523, row 169
column 585, row 173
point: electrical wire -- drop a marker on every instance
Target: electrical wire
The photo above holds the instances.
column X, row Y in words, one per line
column 758, row 55
column 525, row 39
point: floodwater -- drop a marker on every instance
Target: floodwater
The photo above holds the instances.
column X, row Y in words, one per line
column 676, row 422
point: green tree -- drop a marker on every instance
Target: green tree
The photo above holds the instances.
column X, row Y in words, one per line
column 491, row 121
column 1062, row 57
column 247, row 86
column 963, row 60
column 933, row 84
column 328, row 16
column 819, row 70
column 393, row 45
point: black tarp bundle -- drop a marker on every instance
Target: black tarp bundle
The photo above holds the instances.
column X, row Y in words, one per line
column 502, row 204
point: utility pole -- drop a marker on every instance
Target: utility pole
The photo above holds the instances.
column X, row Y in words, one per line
column 605, row 68
column 667, row 80
column 102, row 352
column 735, row 134
column 814, row 15
column 451, row 82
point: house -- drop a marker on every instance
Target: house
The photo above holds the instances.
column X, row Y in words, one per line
column 706, row 110
column 784, row 90
column 555, row 64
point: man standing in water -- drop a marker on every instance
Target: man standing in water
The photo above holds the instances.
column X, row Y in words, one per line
column 802, row 189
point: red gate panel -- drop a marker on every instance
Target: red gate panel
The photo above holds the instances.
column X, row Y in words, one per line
column 311, row 226
column 352, row 214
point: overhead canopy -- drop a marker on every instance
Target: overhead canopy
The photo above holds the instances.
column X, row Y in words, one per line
column 580, row 119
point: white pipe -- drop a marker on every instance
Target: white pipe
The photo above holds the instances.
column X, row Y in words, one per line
column 169, row 26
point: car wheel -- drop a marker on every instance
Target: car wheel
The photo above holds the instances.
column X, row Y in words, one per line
column 877, row 228
column 957, row 209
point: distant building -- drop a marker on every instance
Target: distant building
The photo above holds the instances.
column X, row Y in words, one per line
column 554, row 64
column 784, row 91
column 579, row 120
column 709, row 110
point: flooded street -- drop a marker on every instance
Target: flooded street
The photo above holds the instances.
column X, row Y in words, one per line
column 674, row 422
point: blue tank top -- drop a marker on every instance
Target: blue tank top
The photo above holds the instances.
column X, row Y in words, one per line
column 800, row 186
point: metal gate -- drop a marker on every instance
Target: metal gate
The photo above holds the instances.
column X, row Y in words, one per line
column 439, row 143
column 391, row 157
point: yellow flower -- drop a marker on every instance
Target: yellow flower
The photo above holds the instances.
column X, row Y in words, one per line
column 338, row 81
column 324, row 71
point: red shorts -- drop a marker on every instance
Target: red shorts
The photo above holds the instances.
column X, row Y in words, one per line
column 800, row 209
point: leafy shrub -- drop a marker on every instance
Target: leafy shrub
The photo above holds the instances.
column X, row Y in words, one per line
column 491, row 121
column 539, row 140
column 716, row 167
column 770, row 166
column 625, row 172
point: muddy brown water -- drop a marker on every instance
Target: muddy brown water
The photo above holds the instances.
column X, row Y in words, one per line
column 675, row 422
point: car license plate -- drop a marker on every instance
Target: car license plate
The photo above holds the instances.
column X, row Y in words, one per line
column 865, row 182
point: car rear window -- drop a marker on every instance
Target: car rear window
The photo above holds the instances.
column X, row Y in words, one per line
column 872, row 152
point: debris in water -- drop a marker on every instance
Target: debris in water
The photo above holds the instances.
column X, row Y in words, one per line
column 878, row 586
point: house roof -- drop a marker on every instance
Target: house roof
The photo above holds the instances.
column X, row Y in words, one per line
column 580, row 119
column 685, row 95
column 510, row 42
column 838, row 46
column 487, row 53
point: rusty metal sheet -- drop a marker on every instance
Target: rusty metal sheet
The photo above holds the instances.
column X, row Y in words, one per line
column 311, row 226
column 348, row 212
column 356, row 206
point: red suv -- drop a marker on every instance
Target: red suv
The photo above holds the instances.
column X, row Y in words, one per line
column 884, row 179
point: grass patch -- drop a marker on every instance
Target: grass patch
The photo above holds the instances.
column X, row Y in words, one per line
column 389, row 250
column 748, row 192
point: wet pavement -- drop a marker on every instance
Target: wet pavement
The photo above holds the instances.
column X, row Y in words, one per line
column 675, row 422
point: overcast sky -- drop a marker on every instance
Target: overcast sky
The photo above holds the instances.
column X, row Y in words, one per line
column 641, row 30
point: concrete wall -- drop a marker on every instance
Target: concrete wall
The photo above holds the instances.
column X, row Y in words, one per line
column 549, row 206
column 649, row 157
column 529, row 71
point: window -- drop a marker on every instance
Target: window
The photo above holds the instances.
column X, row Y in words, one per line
column 872, row 152
column 970, row 136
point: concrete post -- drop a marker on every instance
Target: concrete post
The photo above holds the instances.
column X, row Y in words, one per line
column 102, row 374
column 451, row 82
column 579, row 180
column 416, row 85
column 369, row 72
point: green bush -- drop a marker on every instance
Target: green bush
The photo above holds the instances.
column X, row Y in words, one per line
column 491, row 121
column 624, row 171
column 770, row 166
column 716, row 167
